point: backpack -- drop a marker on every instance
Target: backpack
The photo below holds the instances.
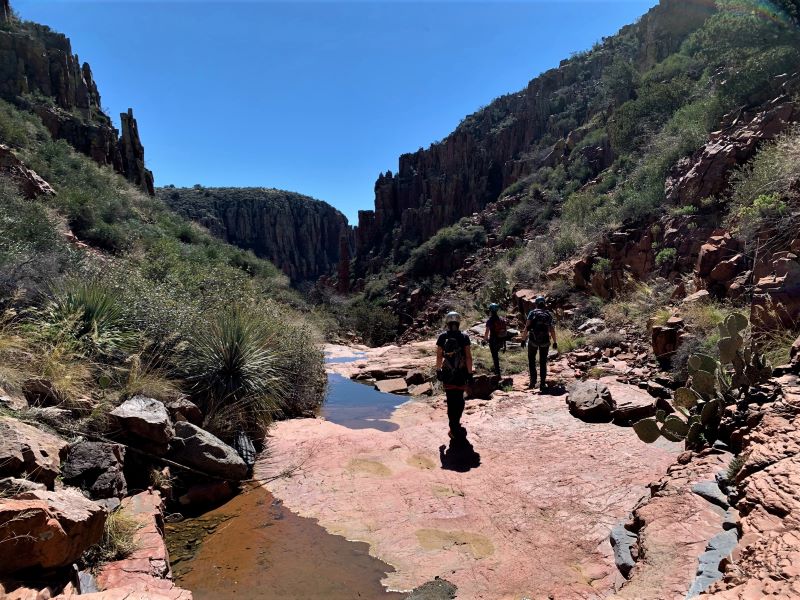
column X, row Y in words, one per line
column 500, row 328
column 454, row 367
column 539, row 332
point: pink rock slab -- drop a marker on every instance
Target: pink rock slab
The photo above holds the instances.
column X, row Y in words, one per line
column 533, row 519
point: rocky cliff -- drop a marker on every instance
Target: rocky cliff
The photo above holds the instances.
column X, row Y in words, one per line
column 300, row 235
column 40, row 73
column 510, row 139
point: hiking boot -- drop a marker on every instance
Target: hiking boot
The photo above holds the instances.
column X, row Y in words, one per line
column 542, row 386
column 531, row 385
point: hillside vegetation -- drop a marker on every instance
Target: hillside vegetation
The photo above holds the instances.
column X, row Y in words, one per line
column 137, row 300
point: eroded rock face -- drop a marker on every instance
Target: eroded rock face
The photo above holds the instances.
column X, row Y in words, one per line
column 35, row 60
column 198, row 448
column 706, row 174
column 28, row 180
column 97, row 468
column 776, row 297
column 133, row 155
column 498, row 146
column 303, row 237
column 766, row 560
column 24, row 449
column 47, row 529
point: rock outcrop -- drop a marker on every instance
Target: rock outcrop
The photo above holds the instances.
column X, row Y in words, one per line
column 198, row 448
column 303, row 237
column 30, row 184
column 47, row 529
column 501, row 144
column 26, row 450
column 39, row 72
column 97, row 468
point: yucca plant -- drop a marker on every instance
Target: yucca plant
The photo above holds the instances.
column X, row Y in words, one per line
column 87, row 315
column 233, row 365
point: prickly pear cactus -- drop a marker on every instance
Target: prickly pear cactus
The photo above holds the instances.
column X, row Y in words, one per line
column 713, row 385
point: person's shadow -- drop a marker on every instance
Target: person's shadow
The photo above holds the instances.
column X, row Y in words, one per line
column 459, row 456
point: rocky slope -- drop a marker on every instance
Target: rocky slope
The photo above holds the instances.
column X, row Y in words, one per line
column 304, row 237
column 510, row 139
column 40, row 73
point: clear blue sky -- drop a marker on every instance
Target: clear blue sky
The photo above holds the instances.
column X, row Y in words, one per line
column 313, row 97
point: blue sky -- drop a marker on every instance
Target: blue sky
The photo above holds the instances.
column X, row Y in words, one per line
column 314, row 97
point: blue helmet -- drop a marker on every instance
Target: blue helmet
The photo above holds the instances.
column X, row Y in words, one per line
column 493, row 307
column 540, row 301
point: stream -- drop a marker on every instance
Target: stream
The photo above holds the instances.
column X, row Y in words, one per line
column 254, row 547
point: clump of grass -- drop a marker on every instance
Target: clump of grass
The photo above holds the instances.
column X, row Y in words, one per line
column 118, row 542
column 735, row 466
column 605, row 339
column 568, row 341
column 776, row 344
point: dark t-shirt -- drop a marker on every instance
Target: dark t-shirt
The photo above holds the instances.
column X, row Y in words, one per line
column 460, row 337
column 490, row 326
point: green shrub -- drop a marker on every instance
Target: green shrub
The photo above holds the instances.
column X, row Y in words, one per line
column 666, row 256
column 602, row 266
column 463, row 238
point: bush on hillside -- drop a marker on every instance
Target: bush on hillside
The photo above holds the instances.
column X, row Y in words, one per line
column 447, row 241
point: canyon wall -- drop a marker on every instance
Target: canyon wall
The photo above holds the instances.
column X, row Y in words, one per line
column 40, row 73
column 302, row 236
column 508, row 140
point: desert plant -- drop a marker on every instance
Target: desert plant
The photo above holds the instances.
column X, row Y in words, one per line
column 605, row 339
column 233, row 367
column 118, row 540
column 86, row 314
column 713, row 387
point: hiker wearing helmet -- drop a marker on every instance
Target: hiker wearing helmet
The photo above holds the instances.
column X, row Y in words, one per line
column 454, row 370
column 539, row 330
column 495, row 333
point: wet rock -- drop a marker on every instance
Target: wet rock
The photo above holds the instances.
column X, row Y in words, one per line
column 205, row 452
column 47, row 529
column 24, row 449
column 212, row 493
column 145, row 419
column 711, row 492
column 591, row 401
column 622, row 541
column 97, row 468
column 392, row 386
column 708, row 570
column 183, row 409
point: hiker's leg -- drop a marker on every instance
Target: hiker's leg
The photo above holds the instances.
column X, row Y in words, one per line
column 455, row 408
column 494, row 348
column 543, row 352
column 532, row 362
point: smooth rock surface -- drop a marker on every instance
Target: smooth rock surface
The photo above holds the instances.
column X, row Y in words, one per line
column 392, row 386
column 532, row 519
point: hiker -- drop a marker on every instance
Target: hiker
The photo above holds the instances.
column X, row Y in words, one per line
column 454, row 370
column 496, row 334
column 539, row 330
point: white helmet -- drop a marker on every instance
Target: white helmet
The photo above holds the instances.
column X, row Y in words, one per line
column 452, row 317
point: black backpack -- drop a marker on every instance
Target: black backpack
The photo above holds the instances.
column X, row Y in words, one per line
column 539, row 332
column 454, row 365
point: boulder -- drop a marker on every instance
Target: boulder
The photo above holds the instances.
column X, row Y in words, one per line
column 665, row 341
column 212, row 493
column 44, row 530
column 392, row 386
column 591, row 401
column 199, row 449
column 632, row 403
column 30, row 184
column 725, row 271
column 145, row 419
column 416, row 378
column 776, row 301
column 12, row 401
column 24, row 449
column 12, row 486
column 184, row 409
column 483, row 386
column 699, row 296
column 97, row 468
column 423, row 389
